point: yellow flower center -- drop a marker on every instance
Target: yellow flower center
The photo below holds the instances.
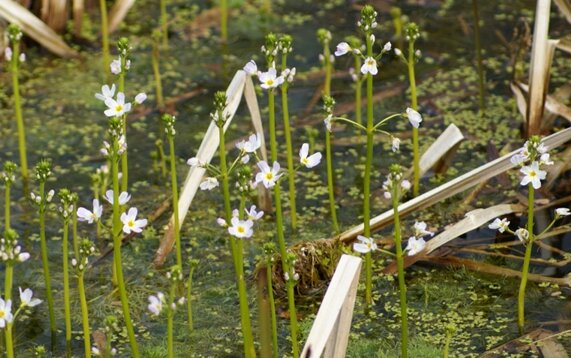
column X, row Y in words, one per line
column 130, row 223
column 119, row 108
column 532, row 173
column 304, row 161
column 370, row 62
column 241, row 229
column 270, row 82
column 2, row 314
column 269, row 175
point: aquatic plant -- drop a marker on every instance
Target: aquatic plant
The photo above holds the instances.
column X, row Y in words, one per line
column 164, row 24
column 8, row 176
column 105, row 38
column 15, row 57
column 192, row 264
column 269, row 252
column 412, row 34
column 7, row 318
column 356, row 76
column 283, row 45
column 530, row 158
column 478, row 45
column 155, row 61
column 41, row 200
column 324, row 37
column 168, row 122
column 80, row 264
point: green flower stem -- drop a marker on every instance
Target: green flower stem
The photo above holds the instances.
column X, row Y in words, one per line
column 9, row 341
column 117, row 230
column 479, row 56
column 66, row 299
column 445, row 353
column 272, row 303
column 367, row 180
column 400, row 268
column 157, row 73
column 7, row 210
column 105, row 38
column 8, row 280
column 330, row 184
column 124, row 158
column 84, row 315
column 189, row 299
column 236, row 248
column 287, row 132
column 45, row 262
column 224, row 20
column 280, row 228
column 358, row 89
column 414, row 104
column 328, row 152
column 75, row 236
column 174, row 185
column 170, row 317
column 18, row 109
column 164, row 24
column 159, row 144
column 527, row 259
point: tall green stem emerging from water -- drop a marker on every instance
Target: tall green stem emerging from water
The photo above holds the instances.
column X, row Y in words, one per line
column 249, row 350
column 116, row 125
column 324, row 37
column 164, row 24
column 155, row 58
column 15, row 36
column 224, row 20
column 479, row 57
column 285, row 42
column 124, row 49
column 105, row 38
column 412, row 33
column 527, row 259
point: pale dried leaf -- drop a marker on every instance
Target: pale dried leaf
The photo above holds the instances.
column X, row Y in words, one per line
column 118, row 12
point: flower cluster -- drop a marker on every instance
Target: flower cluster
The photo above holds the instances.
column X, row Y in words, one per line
column 169, row 122
column 26, row 301
column 8, row 176
column 503, row 225
column 86, row 249
column 66, row 207
column 533, row 151
column 158, row 302
column 395, row 182
column 10, row 250
column 416, row 243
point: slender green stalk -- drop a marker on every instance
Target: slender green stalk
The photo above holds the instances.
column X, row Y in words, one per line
column 105, row 38
column 45, row 262
column 224, row 20
column 174, row 187
column 117, row 230
column 9, row 341
column 18, row 110
column 66, row 298
column 8, row 280
column 446, row 350
column 124, row 157
column 479, row 57
column 157, row 73
column 189, row 296
column 280, row 228
column 160, row 150
column 358, row 90
column 75, row 236
column 7, row 210
column 84, row 316
column 272, row 304
column 164, row 24
column 414, row 104
column 287, row 133
column 400, row 268
column 236, row 245
column 526, row 261
column 170, row 318
column 367, row 180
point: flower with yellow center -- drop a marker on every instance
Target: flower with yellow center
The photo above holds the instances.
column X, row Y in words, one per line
column 241, row 229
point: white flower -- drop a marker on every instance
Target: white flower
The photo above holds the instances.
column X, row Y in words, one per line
column 209, row 183
column 116, row 108
column 23, row 256
column 295, row 276
column 518, row 158
column 372, row 38
column 365, row 245
column 124, row 197
column 522, row 235
column 140, row 98
column 291, row 75
column 22, row 57
column 90, row 216
column 420, row 229
column 156, row 303
column 130, row 222
column 542, row 148
column 268, row 176
column 327, row 122
column 414, row 245
column 398, row 52
column 533, row 175
column 395, row 144
column 241, row 229
column 369, row 66
column 106, row 92
column 5, row 312
column 544, row 159
column 342, row 48
column 221, row 222
column 405, row 185
column 235, row 213
column 253, row 214
column 269, row 79
column 308, row 161
column 26, row 298
column 562, row 211
column 95, row 351
column 251, row 68
column 245, row 159
column 387, row 46
column 115, row 66
column 194, row 162
column 500, row 225
column 8, row 54
column 414, row 117
column 251, row 145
